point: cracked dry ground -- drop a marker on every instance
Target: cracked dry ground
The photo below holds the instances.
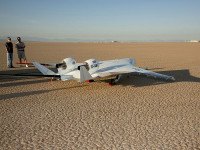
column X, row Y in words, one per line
column 138, row 113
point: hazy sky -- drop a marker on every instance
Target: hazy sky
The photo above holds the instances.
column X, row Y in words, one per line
column 101, row 20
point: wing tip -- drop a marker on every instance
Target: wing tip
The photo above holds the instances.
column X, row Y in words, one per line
column 171, row 79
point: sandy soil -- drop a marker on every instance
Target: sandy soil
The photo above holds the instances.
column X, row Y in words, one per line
column 138, row 113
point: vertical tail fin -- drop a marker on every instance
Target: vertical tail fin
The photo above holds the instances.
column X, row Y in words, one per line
column 84, row 74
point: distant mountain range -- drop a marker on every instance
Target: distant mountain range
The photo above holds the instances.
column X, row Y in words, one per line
column 38, row 39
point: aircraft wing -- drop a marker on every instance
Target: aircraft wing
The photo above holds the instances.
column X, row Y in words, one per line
column 44, row 64
column 140, row 71
column 124, row 66
column 29, row 75
column 43, row 70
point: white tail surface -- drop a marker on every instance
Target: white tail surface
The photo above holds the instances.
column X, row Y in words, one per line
column 43, row 70
column 84, row 74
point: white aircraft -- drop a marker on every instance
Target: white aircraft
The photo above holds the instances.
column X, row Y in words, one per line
column 91, row 69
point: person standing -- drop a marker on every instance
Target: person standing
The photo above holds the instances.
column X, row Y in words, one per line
column 20, row 51
column 9, row 49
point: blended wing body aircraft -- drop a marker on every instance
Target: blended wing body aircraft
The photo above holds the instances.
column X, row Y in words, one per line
column 91, row 69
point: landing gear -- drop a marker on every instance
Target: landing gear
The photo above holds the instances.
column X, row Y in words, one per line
column 51, row 81
column 114, row 81
column 90, row 81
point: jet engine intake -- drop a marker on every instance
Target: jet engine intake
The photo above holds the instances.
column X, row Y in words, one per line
column 67, row 65
column 92, row 65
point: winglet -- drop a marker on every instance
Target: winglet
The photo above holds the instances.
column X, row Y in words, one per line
column 84, row 74
column 43, row 70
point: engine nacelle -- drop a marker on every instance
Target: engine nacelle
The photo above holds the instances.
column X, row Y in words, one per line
column 92, row 65
column 67, row 65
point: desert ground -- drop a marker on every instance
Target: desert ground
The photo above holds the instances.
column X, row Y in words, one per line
column 136, row 114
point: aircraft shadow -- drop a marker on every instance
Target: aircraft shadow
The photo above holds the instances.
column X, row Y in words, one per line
column 6, row 76
column 141, row 80
column 24, row 83
column 22, row 94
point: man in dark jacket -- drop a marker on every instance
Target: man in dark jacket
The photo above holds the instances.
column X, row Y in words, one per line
column 9, row 49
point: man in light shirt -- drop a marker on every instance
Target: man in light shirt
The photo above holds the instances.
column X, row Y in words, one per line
column 20, row 50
